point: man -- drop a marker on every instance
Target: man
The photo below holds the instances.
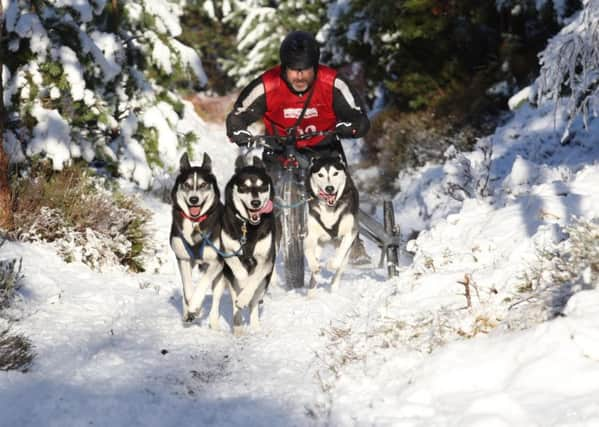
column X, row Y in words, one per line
column 302, row 96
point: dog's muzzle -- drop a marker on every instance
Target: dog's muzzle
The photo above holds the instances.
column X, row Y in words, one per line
column 255, row 215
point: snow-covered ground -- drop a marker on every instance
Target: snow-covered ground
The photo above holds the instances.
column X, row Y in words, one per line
column 412, row 351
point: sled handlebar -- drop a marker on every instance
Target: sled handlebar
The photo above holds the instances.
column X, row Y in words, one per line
column 276, row 142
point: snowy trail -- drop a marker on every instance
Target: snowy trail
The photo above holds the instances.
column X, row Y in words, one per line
column 129, row 355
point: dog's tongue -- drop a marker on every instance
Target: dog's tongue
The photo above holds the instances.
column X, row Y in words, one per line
column 194, row 210
column 267, row 208
column 329, row 198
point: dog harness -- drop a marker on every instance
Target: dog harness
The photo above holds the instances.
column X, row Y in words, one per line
column 334, row 231
column 192, row 219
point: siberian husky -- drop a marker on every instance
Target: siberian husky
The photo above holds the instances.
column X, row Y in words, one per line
column 332, row 216
column 195, row 236
column 248, row 238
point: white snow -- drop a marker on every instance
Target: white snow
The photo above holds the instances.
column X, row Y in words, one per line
column 73, row 70
column 51, row 136
column 521, row 96
column 105, row 50
column 29, row 26
column 82, row 7
column 190, row 58
column 111, row 349
column 161, row 54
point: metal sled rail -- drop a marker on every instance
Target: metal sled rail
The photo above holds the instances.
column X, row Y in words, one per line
column 386, row 236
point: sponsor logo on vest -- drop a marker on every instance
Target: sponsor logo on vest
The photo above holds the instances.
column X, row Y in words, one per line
column 294, row 113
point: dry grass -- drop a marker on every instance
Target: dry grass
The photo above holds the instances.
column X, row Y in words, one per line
column 72, row 204
column 16, row 352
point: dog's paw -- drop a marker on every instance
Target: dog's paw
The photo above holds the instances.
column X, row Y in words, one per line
column 238, row 331
column 188, row 316
column 243, row 299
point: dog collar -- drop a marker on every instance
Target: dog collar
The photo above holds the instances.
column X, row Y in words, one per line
column 192, row 219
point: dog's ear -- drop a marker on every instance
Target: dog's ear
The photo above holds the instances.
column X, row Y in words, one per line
column 312, row 160
column 207, row 162
column 258, row 162
column 184, row 162
column 239, row 163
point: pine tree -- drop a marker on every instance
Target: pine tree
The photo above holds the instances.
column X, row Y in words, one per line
column 427, row 52
column 94, row 81
column 416, row 47
column 205, row 29
column 262, row 26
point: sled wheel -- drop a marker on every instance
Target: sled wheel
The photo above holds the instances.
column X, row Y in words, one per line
column 392, row 251
column 292, row 243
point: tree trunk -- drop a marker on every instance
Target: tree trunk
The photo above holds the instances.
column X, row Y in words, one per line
column 6, row 214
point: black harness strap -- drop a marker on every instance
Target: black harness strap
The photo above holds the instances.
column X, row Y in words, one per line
column 334, row 231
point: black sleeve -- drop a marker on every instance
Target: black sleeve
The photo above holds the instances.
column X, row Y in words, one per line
column 349, row 106
column 249, row 107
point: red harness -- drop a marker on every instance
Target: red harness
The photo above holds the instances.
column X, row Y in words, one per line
column 192, row 219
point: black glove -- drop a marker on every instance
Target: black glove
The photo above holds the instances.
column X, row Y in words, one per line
column 345, row 130
column 243, row 138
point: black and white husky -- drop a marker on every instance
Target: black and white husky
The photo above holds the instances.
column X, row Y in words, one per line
column 332, row 215
column 248, row 238
column 195, row 233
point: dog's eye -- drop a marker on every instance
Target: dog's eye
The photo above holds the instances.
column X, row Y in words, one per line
column 336, row 173
column 187, row 186
column 263, row 188
column 321, row 175
column 203, row 185
column 244, row 189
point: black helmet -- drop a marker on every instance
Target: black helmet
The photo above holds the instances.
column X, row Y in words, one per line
column 299, row 51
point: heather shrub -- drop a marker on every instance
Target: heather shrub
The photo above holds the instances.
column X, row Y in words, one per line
column 85, row 216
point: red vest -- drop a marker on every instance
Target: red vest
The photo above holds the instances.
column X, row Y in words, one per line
column 283, row 107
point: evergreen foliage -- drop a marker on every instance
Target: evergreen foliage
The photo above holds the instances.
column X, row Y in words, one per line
column 427, row 52
column 262, row 25
column 205, row 29
column 86, row 73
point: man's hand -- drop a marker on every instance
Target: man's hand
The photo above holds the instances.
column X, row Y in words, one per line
column 243, row 138
column 345, row 130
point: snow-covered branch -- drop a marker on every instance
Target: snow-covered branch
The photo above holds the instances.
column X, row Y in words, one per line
column 570, row 67
column 81, row 73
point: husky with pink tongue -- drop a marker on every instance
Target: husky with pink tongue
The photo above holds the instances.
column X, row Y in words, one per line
column 195, row 236
column 248, row 238
column 332, row 216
